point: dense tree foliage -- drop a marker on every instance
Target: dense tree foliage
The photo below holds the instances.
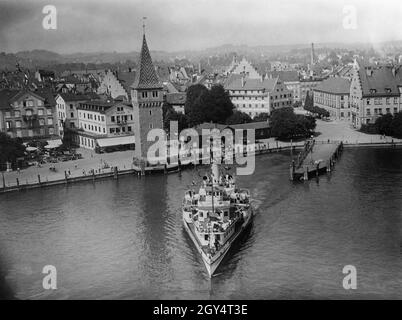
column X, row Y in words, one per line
column 195, row 101
column 10, row 148
column 308, row 101
column 285, row 124
column 388, row 124
column 67, row 137
column 261, row 117
column 309, row 106
column 383, row 124
column 169, row 114
column 203, row 105
column 238, row 117
column 396, row 125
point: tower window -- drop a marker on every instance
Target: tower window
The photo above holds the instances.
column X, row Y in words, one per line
column 150, row 112
column 144, row 94
column 151, row 126
column 155, row 94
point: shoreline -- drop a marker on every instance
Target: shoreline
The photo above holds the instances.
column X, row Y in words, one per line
column 115, row 174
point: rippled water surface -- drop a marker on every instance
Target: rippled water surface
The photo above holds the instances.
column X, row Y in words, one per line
column 124, row 239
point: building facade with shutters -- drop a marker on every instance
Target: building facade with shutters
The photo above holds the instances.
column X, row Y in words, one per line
column 27, row 115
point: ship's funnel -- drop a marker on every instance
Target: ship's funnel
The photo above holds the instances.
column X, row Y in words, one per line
column 215, row 173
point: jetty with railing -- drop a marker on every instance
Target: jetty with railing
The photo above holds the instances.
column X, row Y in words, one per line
column 314, row 159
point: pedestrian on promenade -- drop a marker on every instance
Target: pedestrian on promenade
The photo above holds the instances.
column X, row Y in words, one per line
column 19, row 170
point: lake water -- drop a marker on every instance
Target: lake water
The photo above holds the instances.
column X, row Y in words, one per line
column 125, row 240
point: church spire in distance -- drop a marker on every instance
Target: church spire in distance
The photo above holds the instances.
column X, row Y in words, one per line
column 147, row 77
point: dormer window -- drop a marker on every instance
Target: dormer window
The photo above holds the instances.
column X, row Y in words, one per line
column 144, row 94
column 387, row 90
column 373, row 90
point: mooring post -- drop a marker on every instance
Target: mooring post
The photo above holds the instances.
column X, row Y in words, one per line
column 18, row 183
column 65, row 176
column 116, row 173
column 292, row 170
column 39, row 179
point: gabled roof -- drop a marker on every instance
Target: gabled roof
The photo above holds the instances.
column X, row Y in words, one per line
column 74, row 97
column 126, row 79
column 23, row 92
column 147, row 77
column 334, row 85
column 176, row 98
column 169, row 87
column 235, row 83
column 381, row 81
column 5, row 96
column 286, row 76
column 48, row 95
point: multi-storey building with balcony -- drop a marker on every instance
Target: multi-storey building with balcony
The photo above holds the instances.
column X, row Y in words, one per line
column 27, row 115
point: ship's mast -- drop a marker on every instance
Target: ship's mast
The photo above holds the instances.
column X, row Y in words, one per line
column 213, row 182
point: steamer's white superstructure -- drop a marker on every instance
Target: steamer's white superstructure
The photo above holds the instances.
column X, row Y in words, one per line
column 215, row 216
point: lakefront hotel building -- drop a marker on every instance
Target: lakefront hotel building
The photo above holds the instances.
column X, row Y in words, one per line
column 104, row 124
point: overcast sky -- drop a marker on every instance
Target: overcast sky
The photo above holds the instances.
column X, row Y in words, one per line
column 173, row 25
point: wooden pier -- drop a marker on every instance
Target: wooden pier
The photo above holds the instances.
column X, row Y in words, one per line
column 315, row 158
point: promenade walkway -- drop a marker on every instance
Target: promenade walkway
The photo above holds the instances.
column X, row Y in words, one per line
column 335, row 131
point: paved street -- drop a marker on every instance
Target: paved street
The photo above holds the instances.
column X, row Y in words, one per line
column 91, row 160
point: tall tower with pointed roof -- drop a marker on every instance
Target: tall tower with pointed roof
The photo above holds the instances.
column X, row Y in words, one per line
column 147, row 99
